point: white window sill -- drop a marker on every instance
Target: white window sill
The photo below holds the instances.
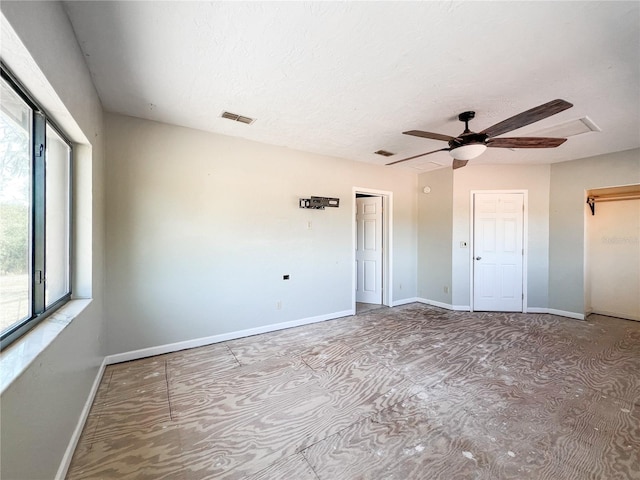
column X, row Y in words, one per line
column 17, row 357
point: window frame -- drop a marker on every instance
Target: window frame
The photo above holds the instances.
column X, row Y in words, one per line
column 37, row 234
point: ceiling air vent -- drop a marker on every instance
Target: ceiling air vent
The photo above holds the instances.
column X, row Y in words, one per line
column 384, row 153
column 237, row 118
column 568, row 129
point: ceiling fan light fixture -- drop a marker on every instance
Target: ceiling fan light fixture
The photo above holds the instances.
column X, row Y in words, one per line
column 468, row 152
column 469, row 145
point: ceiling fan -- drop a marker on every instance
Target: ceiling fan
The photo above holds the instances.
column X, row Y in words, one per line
column 468, row 145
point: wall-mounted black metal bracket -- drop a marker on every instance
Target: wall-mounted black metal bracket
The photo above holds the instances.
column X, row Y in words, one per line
column 319, row 203
column 592, row 204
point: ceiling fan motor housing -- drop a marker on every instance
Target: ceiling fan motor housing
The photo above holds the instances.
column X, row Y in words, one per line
column 468, row 138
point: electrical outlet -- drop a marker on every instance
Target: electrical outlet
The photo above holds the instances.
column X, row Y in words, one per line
column 278, row 305
column 446, row 289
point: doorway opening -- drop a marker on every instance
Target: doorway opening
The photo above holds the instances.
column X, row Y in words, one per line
column 371, row 283
column 612, row 252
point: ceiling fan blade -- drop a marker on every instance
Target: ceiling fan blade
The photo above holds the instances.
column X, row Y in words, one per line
column 525, row 142
column 416, row 156
column 432, row 136
column 525, row 118
column 459, row 163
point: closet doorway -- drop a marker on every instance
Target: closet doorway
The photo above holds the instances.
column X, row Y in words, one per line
column 612, row 252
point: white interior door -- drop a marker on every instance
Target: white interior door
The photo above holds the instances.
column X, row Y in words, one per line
column 369, row 250
column 498, row 252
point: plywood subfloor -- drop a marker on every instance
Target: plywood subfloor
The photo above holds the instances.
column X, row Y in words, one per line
column 412, row 392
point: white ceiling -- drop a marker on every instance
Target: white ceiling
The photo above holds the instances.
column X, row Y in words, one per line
column 347, row 78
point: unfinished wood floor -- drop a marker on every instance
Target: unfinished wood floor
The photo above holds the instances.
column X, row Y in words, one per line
column 412, row 392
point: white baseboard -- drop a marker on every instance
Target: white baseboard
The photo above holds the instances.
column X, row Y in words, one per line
column 435, row 303
column 562, row 313
column 75, row 437
column 617, row 315
column 223, row 337
column 461, row 308
column 537, row 310
column 404, row 301
column 467, row 308
column 553, row 311
column 456, row 308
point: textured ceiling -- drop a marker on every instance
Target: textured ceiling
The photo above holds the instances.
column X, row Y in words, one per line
column 346, row 79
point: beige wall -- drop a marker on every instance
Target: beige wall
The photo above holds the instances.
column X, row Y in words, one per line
column 445, row 219
column 435, row 230
column 532, row 178
column 568, row 210
column 556, row 225
column 202, row 227
column 41, row 408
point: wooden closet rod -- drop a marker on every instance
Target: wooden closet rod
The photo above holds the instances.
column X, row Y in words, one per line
column 614, row 197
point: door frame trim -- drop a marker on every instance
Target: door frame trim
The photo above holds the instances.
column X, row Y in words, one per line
column 525, row 242
column 387, row 243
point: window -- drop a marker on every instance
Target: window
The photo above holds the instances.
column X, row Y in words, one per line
column 35, row 213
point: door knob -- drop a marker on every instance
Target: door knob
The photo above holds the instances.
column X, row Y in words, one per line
column 478, row 258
